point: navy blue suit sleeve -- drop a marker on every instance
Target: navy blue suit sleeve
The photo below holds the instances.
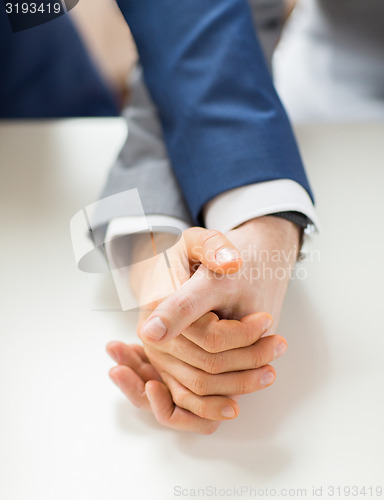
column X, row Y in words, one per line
column 223, row 123
column 46, row 73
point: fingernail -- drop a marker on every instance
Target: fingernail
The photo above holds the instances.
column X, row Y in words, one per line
column 154, row 329
column 267, row 323
column 226, row 254
column 268, row 378
column 279, row 350
column 228, row 412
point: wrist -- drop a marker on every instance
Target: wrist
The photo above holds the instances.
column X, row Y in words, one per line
column 269, row 248
column 273, row 232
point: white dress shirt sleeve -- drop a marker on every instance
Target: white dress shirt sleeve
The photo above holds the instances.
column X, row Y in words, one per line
column 231, row 208
column 226, row 211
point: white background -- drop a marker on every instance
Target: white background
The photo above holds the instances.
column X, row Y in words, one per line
column 67, row 433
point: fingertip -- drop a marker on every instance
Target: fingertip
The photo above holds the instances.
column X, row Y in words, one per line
column 113, row 374
column 230, row 267
column 227, row 260
column 269, row 377
column 230, row 411
column 209, row 429
column 153, row 329
column 151, row 388
column 280, row 338
column 263, row 319
column 236, row 407
column 160, row 401
column 267, row 322
column 280, row 348
column 227, row 255
column 112, row 349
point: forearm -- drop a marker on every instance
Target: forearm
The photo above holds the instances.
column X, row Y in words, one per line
column 192, row 70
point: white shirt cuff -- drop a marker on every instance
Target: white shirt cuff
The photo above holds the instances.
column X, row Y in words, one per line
column 236, row 206
column 227, row 210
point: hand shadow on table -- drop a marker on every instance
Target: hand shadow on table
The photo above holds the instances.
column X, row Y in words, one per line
column 249, row 442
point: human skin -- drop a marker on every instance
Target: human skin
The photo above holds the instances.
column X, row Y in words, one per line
column 186, row 378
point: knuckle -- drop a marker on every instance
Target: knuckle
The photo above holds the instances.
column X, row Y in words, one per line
column 214, row 363
column 198, row 408
column 183, row 304
column 213, row 342
column 209, row 240
column 258, row 358
column 250, row 336
column 170, row 347
column 199, row 385
column 244, row 383
column 188, row 231
column 209, row 235
column 179, row 397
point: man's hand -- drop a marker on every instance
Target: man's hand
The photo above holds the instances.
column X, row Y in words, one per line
column 197, row 365
column 142, row 385
column 270, row 246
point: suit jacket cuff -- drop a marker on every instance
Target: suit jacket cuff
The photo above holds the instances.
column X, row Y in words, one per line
column 236, row 206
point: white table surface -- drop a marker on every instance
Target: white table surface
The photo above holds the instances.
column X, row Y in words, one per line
column 67, row 433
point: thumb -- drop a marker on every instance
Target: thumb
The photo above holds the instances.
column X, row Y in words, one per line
column 212, row 249
column 182, row 308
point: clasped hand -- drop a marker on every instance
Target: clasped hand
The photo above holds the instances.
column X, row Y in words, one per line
column 205, row 344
